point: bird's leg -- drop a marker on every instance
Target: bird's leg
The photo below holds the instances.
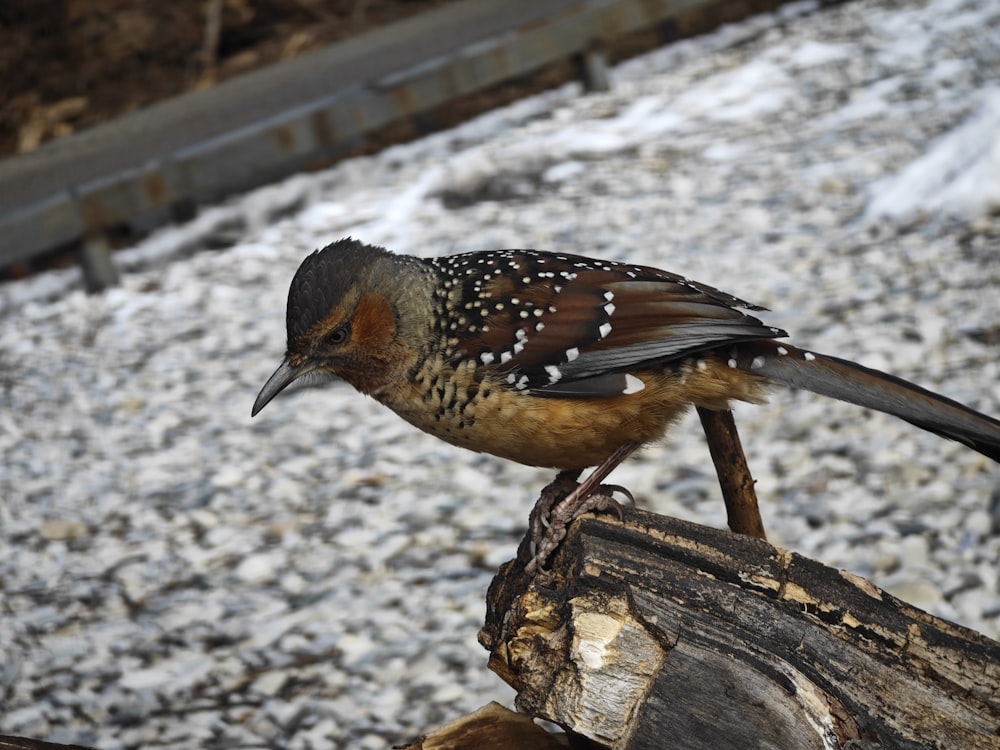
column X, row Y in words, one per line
column 549, row 519
column 734, row 475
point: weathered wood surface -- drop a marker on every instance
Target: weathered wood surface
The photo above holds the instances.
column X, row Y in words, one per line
column 26, row 743
column 492, row 727
column 650, row 632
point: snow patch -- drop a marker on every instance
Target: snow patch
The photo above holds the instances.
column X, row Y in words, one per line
column 959, row 175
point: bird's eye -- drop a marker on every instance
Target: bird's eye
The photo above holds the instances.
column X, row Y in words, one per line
column 337, row 336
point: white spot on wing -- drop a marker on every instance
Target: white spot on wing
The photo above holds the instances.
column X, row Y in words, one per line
column 633, row 384
column 572, row 354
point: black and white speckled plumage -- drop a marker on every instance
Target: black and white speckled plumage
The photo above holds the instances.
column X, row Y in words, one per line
column 561, row 325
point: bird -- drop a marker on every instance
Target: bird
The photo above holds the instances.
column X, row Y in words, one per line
column 558, row 360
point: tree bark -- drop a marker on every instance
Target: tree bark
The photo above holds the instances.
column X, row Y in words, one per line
column 491, row 727
column 651, row 632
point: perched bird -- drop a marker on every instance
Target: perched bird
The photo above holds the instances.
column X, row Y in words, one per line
column 558, row 360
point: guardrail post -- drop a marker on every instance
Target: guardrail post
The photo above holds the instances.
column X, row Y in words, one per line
column 99, row 270
column 593, row 70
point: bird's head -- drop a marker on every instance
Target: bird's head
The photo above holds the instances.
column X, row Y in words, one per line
column 351, row 311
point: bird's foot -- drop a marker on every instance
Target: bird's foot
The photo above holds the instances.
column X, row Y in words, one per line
column 563, row 499
column 551, row 495
column 560, row 503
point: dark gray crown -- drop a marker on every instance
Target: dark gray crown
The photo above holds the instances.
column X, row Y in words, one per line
column 323, row 279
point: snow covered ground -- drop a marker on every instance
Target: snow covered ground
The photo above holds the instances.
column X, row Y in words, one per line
column 177, row 575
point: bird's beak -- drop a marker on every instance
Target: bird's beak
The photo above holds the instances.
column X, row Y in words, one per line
column 281, row 379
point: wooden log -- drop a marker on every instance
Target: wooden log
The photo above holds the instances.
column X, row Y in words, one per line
column 652, row 632
column 26, row 743
column 493, row 727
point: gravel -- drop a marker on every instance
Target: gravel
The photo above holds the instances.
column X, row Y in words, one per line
column 178, row 576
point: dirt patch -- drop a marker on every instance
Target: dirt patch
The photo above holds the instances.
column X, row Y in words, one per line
column 69, row 64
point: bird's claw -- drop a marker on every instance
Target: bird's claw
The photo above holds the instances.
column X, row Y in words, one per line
column 553, row 513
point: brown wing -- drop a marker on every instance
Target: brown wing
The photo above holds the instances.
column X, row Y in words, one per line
column 564, row 325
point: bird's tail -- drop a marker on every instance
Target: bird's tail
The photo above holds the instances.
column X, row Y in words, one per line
column 856, row 384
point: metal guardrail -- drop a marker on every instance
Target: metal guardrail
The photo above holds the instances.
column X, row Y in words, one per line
column 199, row 147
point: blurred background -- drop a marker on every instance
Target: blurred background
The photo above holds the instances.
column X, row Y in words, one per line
column 177, row 575
column 70, row 64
